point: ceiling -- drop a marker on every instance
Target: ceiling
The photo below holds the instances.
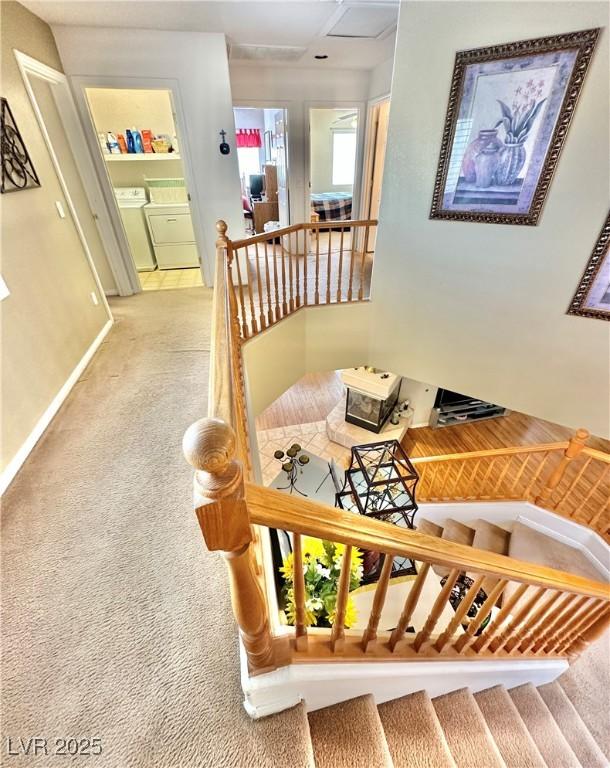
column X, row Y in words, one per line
column 277, row 32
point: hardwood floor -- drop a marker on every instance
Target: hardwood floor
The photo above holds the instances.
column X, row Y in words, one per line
column 311, row 399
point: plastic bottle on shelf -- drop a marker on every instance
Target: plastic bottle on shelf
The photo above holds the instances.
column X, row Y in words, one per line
column 103, row 143
column 113, row 144
column 131, row 147
column 137, row 140
column 122, row 143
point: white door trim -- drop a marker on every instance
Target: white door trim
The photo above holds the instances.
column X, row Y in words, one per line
column 361, row 129
column 370, row 141
column 67, row 109
column 79, row 84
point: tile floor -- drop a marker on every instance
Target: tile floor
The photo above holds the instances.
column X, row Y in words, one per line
column 165, row 279
column 311, row 436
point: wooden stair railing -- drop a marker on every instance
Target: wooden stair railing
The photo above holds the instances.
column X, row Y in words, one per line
column 309, row 264
column 545, row 613
column 567, row 477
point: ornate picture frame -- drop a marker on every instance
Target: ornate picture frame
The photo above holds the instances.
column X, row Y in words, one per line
column 18, row 172
column 510, row 107
column 592, row 297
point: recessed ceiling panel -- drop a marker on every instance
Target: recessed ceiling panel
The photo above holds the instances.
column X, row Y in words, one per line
column 364, row 21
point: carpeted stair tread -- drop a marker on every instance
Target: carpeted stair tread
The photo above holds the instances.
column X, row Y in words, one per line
column 429, row 528
column 535, row 547
column 571, row 725
column 491, row 538
column 413, row 733
column 467, row 733
column 516, row 746
column 587, row 685
column 349, row 734
column 454, row 531
column 539, row 721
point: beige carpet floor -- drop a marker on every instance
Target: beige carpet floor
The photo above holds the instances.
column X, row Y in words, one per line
column 116, row 622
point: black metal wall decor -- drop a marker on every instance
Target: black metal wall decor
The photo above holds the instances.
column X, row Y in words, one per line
column 17, row 169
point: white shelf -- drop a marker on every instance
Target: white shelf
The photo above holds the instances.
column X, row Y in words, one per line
column 140, row 156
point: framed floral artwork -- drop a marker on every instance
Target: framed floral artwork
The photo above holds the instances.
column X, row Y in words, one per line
column 592, row 297
column 509, row 111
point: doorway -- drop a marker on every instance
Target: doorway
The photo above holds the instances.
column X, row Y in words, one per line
column 140, row 149
column 262, row 155
column 333, row 150
column 377, row 138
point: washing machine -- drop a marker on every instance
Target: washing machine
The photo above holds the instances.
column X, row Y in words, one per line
column 131, row 202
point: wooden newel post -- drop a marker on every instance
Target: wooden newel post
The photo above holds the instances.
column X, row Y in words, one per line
column 575, row 446
column 209, row 446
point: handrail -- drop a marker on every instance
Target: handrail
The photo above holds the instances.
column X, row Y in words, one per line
column 275, row 509
column 508, row 451
column 330, row 224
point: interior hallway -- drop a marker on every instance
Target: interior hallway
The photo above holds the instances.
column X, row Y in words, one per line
column 116, row 620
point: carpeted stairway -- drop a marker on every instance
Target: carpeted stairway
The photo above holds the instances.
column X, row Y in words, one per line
column 117, row 623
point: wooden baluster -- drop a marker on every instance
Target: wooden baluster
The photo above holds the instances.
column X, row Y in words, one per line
column 276, row 309
column 585, row 618
column 421, row 493
column 483, row 485
column 328, row 265
column 434, row 471
column 316, row 297
column 489, row 634
column 363, row 263
column 337, row 634
column 471, row 478
column 533, row 627
column 370, row 633
column 351, row 264
column 259, row 284
column 290, row 278
column 591, row 632
column 268, row 281
column 306, row 247
column 209, row 446
column 483, row 612
column 573, row 484
column 253, row 322
column 513, row 629
column 519, row 474
column 340, row 269
column 598, row 516
column 593, row 489
column 441, row 489
column 398, row 632
column 437, row 609
column 297, row 269
column 300, row 628
column 283, row 258
column 459, row 614
column 556, row 620
column 456, row 484
column 536, row 475
column 498, row 485
column 244, row 323
column 573, row 616
column 575, row 446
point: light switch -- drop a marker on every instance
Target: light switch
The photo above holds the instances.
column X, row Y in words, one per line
column 60, row 209
column 4, row 291
column 94, row 298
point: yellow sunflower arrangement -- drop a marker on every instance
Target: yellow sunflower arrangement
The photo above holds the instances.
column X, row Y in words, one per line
column 321, row 568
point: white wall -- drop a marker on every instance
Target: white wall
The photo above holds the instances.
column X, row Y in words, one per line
column 196, row 63
column 380, row 83
column 297, row 89
column 481, row 308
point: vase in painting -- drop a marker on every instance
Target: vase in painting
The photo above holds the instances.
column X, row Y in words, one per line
column 510, row 163
column 487, row 138
column 486, row 164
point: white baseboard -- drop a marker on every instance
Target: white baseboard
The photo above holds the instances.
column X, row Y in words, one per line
column 19, row 458
column 112, row 292
column 322, row 685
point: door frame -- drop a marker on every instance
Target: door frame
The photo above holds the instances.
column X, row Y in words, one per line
column 79, row 84
column 279, row 104
column 30, row 67
column 370, row 143
column 360, row 133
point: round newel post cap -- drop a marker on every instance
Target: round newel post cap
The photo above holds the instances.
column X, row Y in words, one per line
column 221, row 228
column 209, row 445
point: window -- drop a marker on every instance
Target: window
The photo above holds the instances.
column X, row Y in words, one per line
column 248, row 159
column 344, row 157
